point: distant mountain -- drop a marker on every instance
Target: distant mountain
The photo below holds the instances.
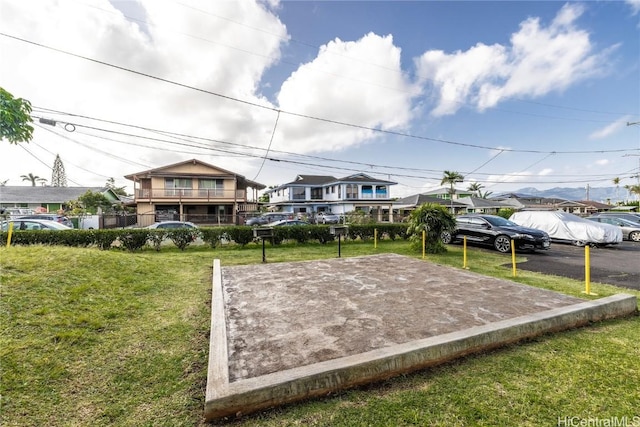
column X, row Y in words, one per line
column 598, row 194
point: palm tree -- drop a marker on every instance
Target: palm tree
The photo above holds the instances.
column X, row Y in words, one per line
column 633, row 189
column 476, row 187
column 616, row 182
column 451, row 178
column 32, row 178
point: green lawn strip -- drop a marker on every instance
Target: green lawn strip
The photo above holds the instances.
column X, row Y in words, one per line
column 92, row 337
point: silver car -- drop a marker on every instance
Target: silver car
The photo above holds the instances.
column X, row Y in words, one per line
column 33, row 224
column 630, row 230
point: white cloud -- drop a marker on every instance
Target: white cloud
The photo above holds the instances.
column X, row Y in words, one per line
column 546, row 171
column 602, row 162
column 341, row 84
column 610, row 128
column 190, row 45
column 538, row 61
column 635, row 5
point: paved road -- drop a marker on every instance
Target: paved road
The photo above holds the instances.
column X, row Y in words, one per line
column 617, row 265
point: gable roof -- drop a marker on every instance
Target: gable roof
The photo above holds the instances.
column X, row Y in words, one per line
column 39, row 194
column 420, row 199
column 162, row 171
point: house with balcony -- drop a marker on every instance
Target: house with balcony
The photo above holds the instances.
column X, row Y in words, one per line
column 193, row 191
column 309, row 194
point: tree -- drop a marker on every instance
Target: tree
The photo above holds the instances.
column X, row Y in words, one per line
column 616, row 182
column 633, row 189
column 434, row 219
column 15, row 116
column 475, row 187
column 89, row 203
column 33, row 179
column 111, row 184
column 451, row 178
column 58, row 176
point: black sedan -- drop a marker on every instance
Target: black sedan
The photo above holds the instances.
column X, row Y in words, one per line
column 498, row 232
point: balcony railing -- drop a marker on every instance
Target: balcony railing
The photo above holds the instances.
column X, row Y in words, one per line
column 189, row 193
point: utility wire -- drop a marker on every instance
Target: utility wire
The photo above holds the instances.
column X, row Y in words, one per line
column 355, row 126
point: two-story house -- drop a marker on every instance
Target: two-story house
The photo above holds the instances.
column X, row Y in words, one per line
column 310, row 194
column 193, row 191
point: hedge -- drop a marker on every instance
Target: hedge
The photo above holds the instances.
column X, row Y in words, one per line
column 136, row 238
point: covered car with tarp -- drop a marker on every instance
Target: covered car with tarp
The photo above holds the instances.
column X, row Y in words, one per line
column 569, row 228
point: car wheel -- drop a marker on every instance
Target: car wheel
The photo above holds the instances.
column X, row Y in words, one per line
column 635, row 236
column 446, row 237
column 502, row 244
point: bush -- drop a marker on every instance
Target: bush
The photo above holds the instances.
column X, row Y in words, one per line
column 183, row 237
column 505, row 212
column 213, row 235
column 240, row 234
column 134, row 239
column 434, row 219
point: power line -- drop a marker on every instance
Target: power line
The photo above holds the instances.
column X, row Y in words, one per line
column 337, row 122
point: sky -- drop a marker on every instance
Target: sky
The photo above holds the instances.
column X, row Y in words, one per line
column 510, row 94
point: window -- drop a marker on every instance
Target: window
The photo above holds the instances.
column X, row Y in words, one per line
column 367, row 192
column 381, row 191
column 211, row 187
column 299, row 193
column 177, row 186
column 178, row 183
column 352, row 191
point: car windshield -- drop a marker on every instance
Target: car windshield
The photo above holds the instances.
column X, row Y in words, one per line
column 498, row 221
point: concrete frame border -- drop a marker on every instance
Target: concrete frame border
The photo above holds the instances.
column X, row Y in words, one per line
column 253, row 394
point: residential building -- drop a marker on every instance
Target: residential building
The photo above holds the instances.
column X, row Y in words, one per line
column 309, row 194
column 405, row 205
column 193, row 191
column 47, row 199
column 528, row 202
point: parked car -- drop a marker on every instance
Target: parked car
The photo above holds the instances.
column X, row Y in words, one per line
column 50, row 217
column 569, row 228
column 33, row 224
column 629, row 216
column 630, row 230
column 497, row 232
column 172, row 224
column 287, row 222
column 327, row 218
column 267, row 218
column 16, row 212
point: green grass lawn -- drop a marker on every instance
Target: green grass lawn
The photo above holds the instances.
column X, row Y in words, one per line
column 111, row 338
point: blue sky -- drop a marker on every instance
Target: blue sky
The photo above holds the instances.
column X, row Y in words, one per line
column 510, row 94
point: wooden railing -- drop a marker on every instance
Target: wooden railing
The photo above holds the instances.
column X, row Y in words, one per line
column 189, row 193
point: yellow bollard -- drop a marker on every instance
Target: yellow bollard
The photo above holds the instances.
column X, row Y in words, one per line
column 513, row 258
column 587, row 271
column 464, row 253
column 375, row 238
column 424, row 243
column 9, row 234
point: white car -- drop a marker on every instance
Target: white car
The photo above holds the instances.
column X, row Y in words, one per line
column 569, row 228
column 33, row 224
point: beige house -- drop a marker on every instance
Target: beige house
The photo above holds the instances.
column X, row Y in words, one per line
column 193, row 191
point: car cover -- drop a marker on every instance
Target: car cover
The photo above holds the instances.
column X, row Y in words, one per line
column 561, row 225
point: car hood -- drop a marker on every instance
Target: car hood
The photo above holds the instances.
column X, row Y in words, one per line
column 524, row 230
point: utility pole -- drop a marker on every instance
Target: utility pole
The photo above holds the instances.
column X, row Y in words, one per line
column 629, row 155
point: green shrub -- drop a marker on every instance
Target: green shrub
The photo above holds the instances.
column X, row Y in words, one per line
column 241, row 234
column 505, row 212
column 134, row 239
column 213, row 235
column 156, row 237
column 183, row 237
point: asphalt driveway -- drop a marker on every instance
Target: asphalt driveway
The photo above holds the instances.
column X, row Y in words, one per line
column 617, row 265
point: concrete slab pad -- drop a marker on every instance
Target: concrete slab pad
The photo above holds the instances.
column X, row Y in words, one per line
column 289, row 331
